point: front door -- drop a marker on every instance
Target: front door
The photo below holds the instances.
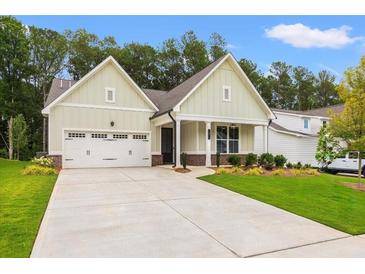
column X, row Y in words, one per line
column 166, row 145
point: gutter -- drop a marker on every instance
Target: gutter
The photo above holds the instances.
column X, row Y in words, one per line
column 174, row 148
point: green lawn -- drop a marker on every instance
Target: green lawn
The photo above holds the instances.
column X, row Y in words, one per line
column 320, row 198
column 23, row 201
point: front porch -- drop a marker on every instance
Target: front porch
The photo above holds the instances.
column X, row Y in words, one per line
column 201, row 138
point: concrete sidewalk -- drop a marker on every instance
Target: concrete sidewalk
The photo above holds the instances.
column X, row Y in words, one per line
column 156, row 212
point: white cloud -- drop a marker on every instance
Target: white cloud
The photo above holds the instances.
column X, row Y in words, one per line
column 302, row 36
column 232, row 46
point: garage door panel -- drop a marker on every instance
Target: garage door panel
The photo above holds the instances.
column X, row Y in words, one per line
column 102, row 149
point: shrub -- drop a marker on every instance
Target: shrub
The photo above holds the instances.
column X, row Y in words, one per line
column 218, row 159
column 280, row 160
column 251, row 159
column 298, row 165
column 43, row 161
column 266, row 160
column 254, row 172
column 234, row 160
column 289, row 165
column 39, row 170
column 311, row 172
column 222, row 171
column 183, row 159
column 236, row 170
column 279, row 172
column 307, row 166
column 297, row 172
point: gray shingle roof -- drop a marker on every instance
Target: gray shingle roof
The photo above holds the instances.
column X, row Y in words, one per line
column 174, row 96
column 58, row 87
column 322, row 112
column 164, row 100
column 281, row 128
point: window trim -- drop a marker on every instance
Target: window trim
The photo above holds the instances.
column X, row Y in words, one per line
column 107, row 89
column 229, row 99
column 306, row 119
column 228, row 139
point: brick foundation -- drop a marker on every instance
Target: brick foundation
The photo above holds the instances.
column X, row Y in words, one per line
column 57, row 160
column 157, row 160
column 224, row 158
column 199, row 159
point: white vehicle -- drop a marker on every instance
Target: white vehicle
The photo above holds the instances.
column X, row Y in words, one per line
column 347, row 163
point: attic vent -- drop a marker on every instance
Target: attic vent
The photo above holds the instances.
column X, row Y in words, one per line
column 69, row 84
column 60, row 83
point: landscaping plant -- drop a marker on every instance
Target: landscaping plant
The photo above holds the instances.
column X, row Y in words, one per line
column 254, row 172
column 289, row 165
column 234, row 160
column 280, row 160
column 218, row 159
column 266, row 160
column 328, row 148
column 184, row 159
column 39, row 170
column 279, row 172
column 251, row 159
column 43, row 161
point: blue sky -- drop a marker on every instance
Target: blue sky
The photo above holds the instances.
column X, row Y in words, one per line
column 316, row 42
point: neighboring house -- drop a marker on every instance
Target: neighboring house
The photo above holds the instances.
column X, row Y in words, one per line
column 295, row 133
column 106, row 120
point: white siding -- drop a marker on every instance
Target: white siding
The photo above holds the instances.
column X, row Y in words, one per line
column 295, row 149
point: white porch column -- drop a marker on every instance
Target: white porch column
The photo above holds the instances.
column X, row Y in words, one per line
column 207, row 144
column 177, row 148
column 264, row 139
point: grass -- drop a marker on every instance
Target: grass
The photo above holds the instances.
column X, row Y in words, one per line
column 321, row 198
column 23, row 201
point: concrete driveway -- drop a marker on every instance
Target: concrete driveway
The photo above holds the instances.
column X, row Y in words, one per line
column 156, row 212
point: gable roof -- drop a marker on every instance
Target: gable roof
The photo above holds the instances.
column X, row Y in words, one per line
column 175, row 95
column 58, row 87
column 318, row 112
column 162, row 101
column 108, row 60
column 282, row 129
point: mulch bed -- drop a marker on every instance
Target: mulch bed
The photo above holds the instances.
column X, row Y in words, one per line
column 356, row 186
column 182, row 170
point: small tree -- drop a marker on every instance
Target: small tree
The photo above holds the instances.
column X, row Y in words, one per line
column 20, row 138
column 328, row 147
column 349, row 125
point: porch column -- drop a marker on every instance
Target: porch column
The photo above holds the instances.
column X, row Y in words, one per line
column 177, row 148
column 207, row 144
column 264, row 138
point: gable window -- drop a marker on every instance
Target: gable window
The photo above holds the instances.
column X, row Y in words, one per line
column 110, row 95
column 227, row 93
column 306, row 123
column 227, row 139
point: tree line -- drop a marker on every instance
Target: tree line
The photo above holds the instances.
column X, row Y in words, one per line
column 30, row 57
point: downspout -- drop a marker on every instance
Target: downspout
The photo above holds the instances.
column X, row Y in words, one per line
column 174, row 148
column 267, row 135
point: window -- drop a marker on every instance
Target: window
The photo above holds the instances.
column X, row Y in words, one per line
column 227, row 139
column 99, row 135
column 110, row 95
column 306, row 123
column 76, row 135
column 226, row 93
column 120, row 136
column 140, row 136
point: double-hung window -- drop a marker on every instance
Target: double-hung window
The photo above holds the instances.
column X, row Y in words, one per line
column 227, row 139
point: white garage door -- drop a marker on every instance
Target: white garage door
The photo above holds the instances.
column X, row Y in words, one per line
column 105, row 149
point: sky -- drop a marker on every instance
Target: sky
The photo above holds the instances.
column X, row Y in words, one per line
column 333, row 43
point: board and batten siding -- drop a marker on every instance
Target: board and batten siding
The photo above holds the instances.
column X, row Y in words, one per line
column 92, row 92
column 208, row 98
